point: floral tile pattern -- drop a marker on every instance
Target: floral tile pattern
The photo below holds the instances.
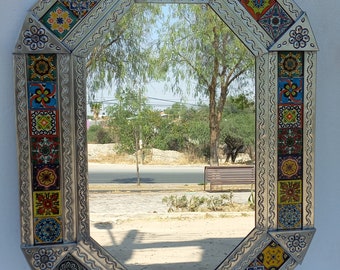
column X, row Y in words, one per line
column 47, row 230
column 272, row 257
column 290, row 167
column 290, row 141
column 80, row 7
column 59, row 20
column 275, row 21
column 43, row 123
column 42, row 95
column 257, row 8
column 46, row 177
column 289, row 216
column 46, row 203
column 290, row 192
column 290, row 91
column 45, row 150
column 290, row 116
column 290, row 64
column 42, row 67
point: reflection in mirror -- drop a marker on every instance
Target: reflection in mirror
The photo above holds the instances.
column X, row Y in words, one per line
column 170, row 92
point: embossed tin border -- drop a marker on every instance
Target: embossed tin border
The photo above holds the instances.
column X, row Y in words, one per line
column 72, row 48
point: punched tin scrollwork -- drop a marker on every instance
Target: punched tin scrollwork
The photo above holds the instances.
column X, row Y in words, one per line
column 49, row 63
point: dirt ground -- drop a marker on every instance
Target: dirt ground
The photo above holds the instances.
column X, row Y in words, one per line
column 138, row 230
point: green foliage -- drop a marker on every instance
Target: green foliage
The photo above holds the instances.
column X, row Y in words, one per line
column 194, row 50
column 198, row 203
column 126, row 53
column 182, row 203
column 98, row 134
column 95, row 109
column 201, row 50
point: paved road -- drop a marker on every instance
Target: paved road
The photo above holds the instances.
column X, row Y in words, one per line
column 125, row 174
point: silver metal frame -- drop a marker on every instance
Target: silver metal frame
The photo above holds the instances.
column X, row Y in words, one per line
column 78, row 247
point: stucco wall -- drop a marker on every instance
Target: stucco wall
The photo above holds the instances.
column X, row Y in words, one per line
column 325, row 249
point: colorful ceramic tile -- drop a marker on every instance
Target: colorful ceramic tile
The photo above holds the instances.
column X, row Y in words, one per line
column 47, row 230
column 290, row 191
column 290, row 64
column 290, row 91
column 290, row 116
column 45, row 150
column 43, row 123
column 275, row 21
column 80, row 7
column 59, row 20
column 289, row 216
column 290, row 141
column 69, row 262
column 296, row 242
column 299, row 37
column 42, row 95
column 257, row 8
column 46, row 177
column 290, row 167
column 42, row 67
column 46, row 203
column 273, row 256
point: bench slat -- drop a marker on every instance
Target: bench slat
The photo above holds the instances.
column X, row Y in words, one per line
column 229, row 175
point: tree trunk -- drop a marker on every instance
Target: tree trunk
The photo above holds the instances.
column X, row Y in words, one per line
column 214, row 138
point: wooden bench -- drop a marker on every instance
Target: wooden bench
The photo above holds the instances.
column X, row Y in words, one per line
column 229, row 175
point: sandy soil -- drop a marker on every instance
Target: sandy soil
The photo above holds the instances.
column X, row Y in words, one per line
column 137, row 230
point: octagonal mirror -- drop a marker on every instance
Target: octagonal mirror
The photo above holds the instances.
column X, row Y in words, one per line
column 50, row 87
column 149, row 206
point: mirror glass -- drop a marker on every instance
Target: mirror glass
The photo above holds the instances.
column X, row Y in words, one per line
column 149, row 138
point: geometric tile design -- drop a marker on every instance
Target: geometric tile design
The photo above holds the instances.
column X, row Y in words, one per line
column 46, row 203
column 47, row 230
column 273, row 256
column 296, row 242
column 290, row 116
column 289, row 191
column 290, row 64
column 70, row 263
column 290, row 90
column 290, row 141
column 275, row 21
column 42, row 67
column 42, row 95
column 290, row 167
column 59, row 20
column 289, row 216
column 80, row 7
column 257, row 8
column 45, row 150
column 46, row 177
column 299, row 37
column 43, row 123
